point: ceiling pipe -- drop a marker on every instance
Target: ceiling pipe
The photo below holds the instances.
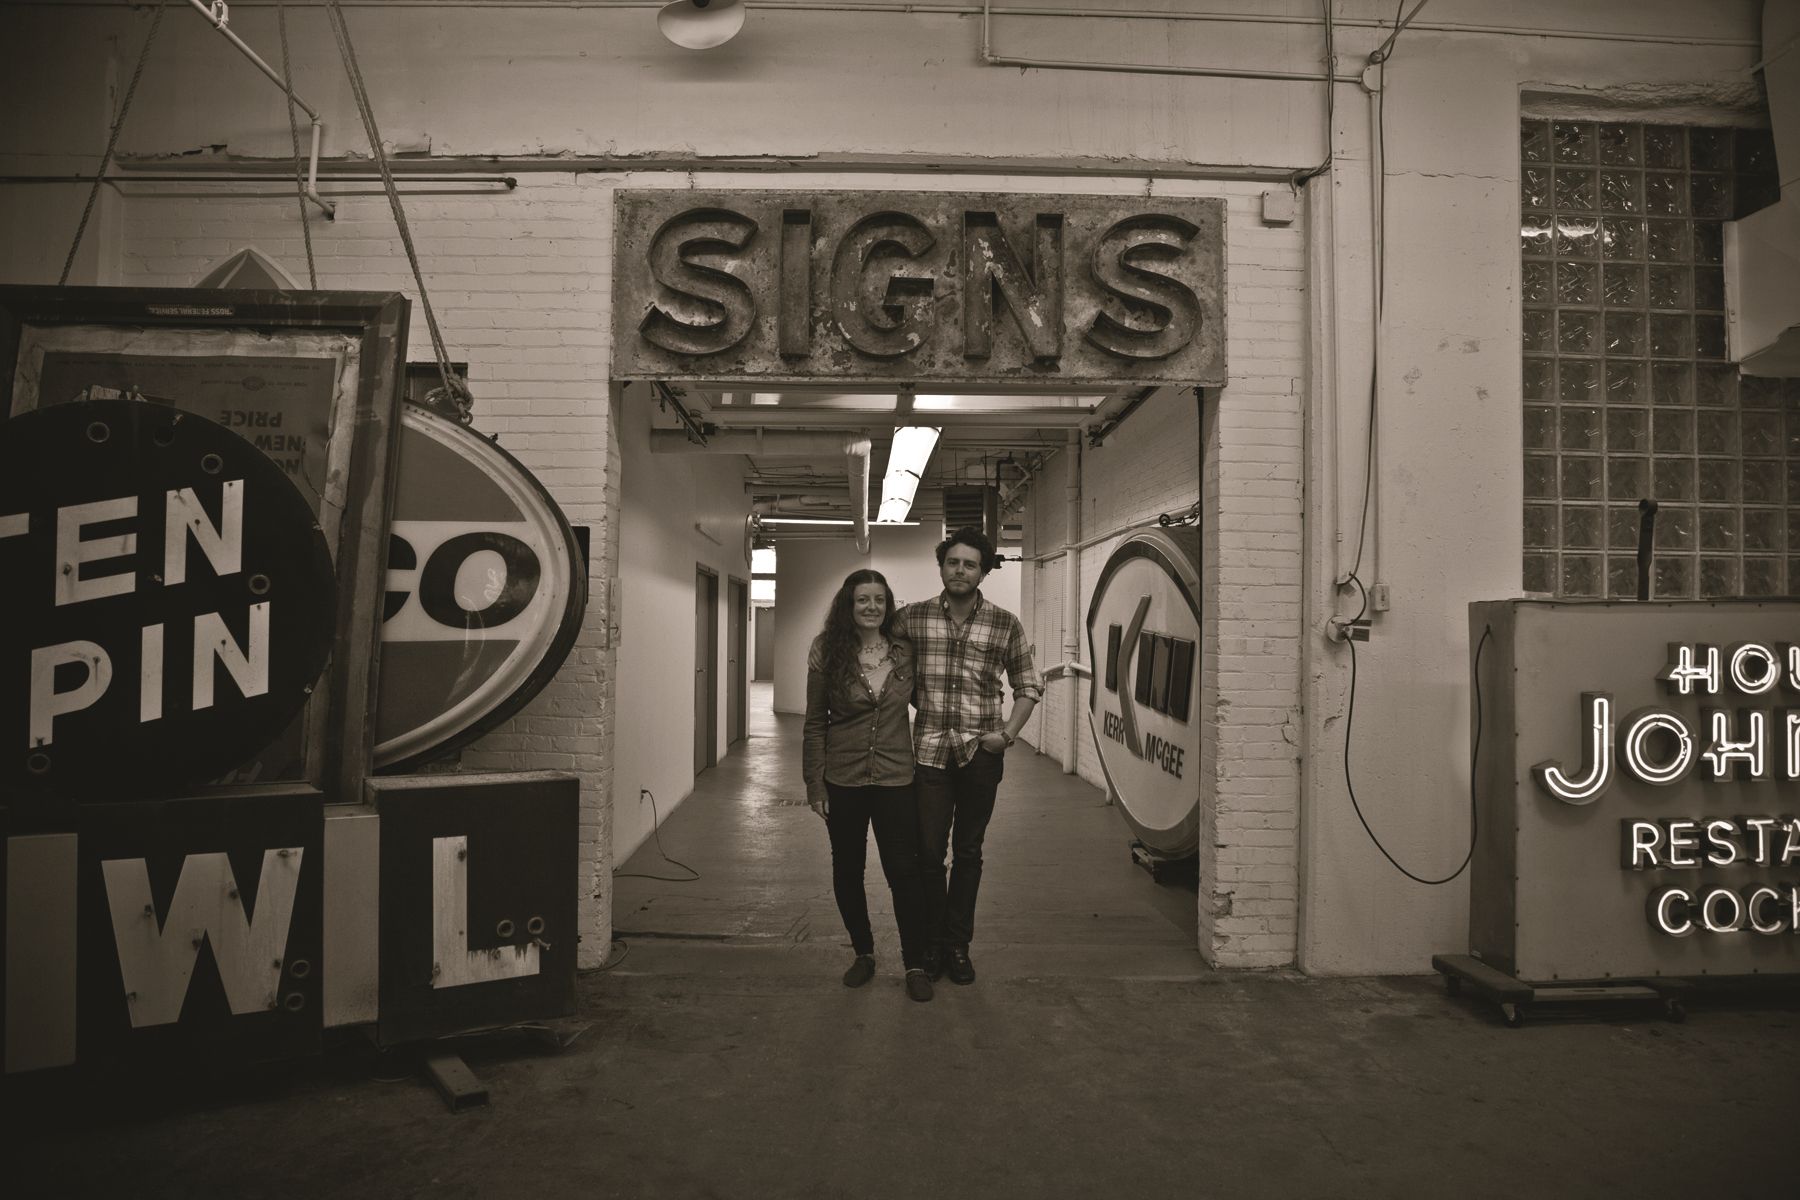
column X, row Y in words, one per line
column 857, row 451
column 218, row 15
column 1072, row 594
column 775, row 443
column 768, row 416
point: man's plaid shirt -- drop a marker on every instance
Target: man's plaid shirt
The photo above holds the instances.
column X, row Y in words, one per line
column 958, row 668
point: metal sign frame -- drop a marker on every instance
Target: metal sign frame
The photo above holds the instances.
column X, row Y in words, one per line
column 1120, row 666
column 522, row 674
column 1557, row 892
column 365, row 333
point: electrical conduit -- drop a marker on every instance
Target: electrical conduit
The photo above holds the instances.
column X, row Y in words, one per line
column 1072, row 595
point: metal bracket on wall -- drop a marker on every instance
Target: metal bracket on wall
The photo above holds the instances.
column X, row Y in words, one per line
column 1099, row 433
column 667, row 398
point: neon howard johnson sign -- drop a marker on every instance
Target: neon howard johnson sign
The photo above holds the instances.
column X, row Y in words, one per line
column 1744, row 732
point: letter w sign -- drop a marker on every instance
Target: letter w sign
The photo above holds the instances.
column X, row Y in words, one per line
column 156, row 958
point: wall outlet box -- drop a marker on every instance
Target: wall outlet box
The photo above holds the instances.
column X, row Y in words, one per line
column 1279, row 207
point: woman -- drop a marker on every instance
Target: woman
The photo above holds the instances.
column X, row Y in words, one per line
column 858, row 765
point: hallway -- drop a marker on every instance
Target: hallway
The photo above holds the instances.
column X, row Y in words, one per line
column 1060, row 894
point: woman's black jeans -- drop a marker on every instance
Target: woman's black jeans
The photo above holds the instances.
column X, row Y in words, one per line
column 891, row 811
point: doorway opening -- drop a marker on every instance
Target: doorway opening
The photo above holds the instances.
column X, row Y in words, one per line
column 773, row 480
column 706, row 668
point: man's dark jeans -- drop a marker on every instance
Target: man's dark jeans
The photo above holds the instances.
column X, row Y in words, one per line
column 954, row 806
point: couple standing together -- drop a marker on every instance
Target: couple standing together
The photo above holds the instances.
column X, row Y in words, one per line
column 926, row 790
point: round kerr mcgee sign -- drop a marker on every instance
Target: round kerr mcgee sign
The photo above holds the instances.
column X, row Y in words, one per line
column 171, row 601
column 1144, row 704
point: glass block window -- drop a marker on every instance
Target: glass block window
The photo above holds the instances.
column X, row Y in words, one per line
column 1627, row 391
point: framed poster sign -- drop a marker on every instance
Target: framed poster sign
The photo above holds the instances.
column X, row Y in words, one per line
column 309, row 380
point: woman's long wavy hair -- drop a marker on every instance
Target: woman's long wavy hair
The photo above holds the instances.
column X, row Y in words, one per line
column 839, row 639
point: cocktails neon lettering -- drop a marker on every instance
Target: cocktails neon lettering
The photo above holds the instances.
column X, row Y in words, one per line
column 1679, row 912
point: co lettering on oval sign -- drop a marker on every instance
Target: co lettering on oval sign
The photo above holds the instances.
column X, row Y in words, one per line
column 458, row 580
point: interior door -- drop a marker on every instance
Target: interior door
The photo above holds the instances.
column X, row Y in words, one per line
column 706, row 673
column 737, row 633
column 765, row 641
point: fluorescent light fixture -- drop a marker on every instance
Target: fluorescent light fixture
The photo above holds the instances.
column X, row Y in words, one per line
column 807, row 521
column 907, row 457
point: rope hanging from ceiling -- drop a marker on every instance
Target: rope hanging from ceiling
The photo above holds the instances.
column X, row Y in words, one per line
column 112, row 142
column 453, row 397
column 287, row 83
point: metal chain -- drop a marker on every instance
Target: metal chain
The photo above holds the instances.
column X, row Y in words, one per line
column 453, row 391
column 112, row 142
column 1190, row 517
column 287, row 81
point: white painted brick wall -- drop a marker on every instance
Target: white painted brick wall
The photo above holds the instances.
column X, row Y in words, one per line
column 1250, row 474
column 521, row 285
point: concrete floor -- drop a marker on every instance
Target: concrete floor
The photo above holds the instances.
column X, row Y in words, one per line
column 1096, row 1056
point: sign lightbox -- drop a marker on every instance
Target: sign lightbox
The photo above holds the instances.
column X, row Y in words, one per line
column 1144, row 700
column 1638, row 787
column 173, row 601
column 485, row 591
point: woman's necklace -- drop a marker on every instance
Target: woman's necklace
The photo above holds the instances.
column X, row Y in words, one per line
column 870, row 657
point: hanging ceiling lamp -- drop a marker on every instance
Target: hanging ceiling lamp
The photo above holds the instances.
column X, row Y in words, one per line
column 701, row 24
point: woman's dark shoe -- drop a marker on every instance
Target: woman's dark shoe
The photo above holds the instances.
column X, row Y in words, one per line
column 958, row 966
column 934, row 963
column 918, row 985
column 860, row 971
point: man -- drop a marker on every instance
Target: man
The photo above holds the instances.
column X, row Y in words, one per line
column 961, row 644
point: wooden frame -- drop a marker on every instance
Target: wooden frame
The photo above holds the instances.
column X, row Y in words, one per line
column 336, row 361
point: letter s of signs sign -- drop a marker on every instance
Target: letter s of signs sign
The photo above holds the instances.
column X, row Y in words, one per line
column 171, row 601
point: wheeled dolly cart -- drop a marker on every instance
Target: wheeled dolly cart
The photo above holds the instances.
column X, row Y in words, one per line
column 1514, row 996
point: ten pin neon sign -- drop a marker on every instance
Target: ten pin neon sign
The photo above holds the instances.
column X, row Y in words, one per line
column 154, row 551
column 1657, row 745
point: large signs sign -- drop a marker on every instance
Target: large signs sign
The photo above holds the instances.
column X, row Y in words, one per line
column 173, row 601
column 1144, row 701
column 880, row 286
column 485, row 591
column 1641, row 820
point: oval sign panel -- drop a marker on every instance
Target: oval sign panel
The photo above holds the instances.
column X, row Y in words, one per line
column 485, row 591
column 171, row 601
column 1144, row 701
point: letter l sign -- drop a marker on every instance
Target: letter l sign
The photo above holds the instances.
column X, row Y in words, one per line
column 453, row 963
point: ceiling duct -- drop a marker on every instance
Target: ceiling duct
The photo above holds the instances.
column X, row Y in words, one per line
column 976, row 505
column 1762, row 250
